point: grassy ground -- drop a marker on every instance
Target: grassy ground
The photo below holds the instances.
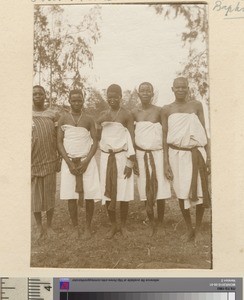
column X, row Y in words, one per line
column 138, row 251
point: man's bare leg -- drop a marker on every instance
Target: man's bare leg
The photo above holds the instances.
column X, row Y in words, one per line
column 38, row 218
column 187, row 217
column 112, row 218
column 199, row 217
column 124, row 208
column 160, row 211
column 150, row 215
column 73, row 212
column 50, row 231
column 89, row 215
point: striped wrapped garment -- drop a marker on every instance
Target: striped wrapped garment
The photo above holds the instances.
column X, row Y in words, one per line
column 44, row 159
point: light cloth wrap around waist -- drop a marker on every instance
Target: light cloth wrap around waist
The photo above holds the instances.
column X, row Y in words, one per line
column 77, row 144
column 115, row 139
column 186, row 133
column 148, row 138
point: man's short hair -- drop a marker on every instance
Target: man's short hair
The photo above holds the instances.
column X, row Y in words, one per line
column 180, row 78
column 39, row 87
column 145, row 83
column 115, row 88
column 75, row 92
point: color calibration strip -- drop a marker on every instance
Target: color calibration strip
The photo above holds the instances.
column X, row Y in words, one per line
column 36, row 288
column 145, row 296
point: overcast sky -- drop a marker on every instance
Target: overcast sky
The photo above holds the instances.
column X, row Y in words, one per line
column 136, row 45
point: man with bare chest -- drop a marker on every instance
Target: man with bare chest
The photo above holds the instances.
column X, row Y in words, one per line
column 117, row 159
column 77, row 144
column 187, row 157
column 153, row 186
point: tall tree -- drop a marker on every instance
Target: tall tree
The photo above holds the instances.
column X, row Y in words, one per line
column 195, row 37
column 63, row 49
column 95, row 103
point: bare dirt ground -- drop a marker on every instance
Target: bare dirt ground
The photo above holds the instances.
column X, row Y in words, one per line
column 137, row 251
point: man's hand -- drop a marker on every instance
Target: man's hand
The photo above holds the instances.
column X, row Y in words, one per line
column 168, row 172
column 72, row 168
column 83, row 166
column 59, row 163
column 127, row 172
column 208, row 166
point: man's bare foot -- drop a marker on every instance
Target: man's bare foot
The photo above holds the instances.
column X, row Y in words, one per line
column 161, row 230
column 198, row 236
column 75, row 232
column 112, row 232
column 87, row 235
column 124, row 232
column 38, row 235
column 189, row 236
column 112, row 206
column 40, row 232
column 50, row 232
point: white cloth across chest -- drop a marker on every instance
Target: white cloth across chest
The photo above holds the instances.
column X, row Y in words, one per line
column 116, row 137
column 148, row 135
column 77, row 141
column 185, row 130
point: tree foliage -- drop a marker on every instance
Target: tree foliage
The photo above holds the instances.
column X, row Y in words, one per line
column 62, row 50
column 130, row 99
column 96, row 101
column 195, row 33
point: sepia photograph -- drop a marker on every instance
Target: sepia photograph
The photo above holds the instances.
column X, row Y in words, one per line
column 120, row 142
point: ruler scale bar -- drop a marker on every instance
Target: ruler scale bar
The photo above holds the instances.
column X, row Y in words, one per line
column 34, row 279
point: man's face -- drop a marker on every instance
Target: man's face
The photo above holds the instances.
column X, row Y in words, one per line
column 76, row 102
column 113, row 99
column 145, row 93
column 38, row 97
column 180, row 89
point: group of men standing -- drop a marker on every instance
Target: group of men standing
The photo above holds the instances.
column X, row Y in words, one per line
column 158, row 145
